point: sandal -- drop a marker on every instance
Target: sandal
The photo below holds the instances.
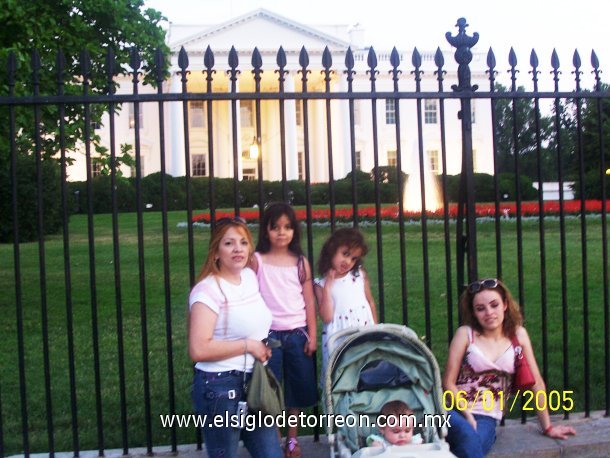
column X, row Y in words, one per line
column 292, row 449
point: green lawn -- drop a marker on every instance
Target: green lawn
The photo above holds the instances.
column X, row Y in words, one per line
column 155, row 307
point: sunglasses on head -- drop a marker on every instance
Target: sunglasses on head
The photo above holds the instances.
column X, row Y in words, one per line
column 228, row 219
column 476, row 286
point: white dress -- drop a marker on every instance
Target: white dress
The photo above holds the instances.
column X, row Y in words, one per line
column 351, row 308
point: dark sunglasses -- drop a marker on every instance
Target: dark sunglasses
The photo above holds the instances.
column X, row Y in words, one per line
column 228, row 219
column 476, row 286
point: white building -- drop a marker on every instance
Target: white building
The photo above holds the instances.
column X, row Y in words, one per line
column 268, row 31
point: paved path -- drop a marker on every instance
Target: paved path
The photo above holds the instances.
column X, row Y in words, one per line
column 514, row 440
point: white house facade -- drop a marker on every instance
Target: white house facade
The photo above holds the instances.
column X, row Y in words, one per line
column 268, row 31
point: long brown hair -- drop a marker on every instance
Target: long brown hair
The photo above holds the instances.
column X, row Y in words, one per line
column 512, row 315
column 348, row 237
column 211, row 265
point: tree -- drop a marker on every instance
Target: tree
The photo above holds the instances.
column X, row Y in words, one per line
column 74, row 27
column 526, row 137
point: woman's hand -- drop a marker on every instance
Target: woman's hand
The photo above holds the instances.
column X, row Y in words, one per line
column 310, row 347
column 470, row 419
column 259, row 350
column 560, row 432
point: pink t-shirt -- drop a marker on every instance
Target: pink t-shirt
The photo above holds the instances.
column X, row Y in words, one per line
column 479, row 374
column 282, row 291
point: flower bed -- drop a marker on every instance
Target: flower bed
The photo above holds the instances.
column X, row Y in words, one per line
column 390, row 212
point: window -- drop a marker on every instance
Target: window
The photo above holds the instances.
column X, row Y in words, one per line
column 430, row 109
column 392, row 157
column 357, row 116
column 300, row 165
column 472, row 112
column 198, row 168
column 358, row 160
column 298, row 107
column 96, row 168
column 245, row 113
column 433, row 159
column 132, row 116
column 96, row 125
column 390, row 111
column 197, row 113
column 249, row 173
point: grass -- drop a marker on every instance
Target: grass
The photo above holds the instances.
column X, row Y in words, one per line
column 158, row 307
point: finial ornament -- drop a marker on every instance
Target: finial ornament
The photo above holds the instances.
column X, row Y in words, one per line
column 463, row 55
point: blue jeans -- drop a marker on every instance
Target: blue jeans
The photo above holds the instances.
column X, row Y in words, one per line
column 465, row 441
column 290, row 364
column 217, row 393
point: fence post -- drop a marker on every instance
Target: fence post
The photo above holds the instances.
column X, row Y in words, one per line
column 466, row 242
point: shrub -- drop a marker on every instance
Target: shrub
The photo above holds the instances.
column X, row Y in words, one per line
column 27, row 198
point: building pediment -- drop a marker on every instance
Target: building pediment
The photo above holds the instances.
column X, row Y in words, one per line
column 263, row 29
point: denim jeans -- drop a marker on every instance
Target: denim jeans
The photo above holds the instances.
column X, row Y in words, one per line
column 217, row 393
column 465, row 441
column 290, row 364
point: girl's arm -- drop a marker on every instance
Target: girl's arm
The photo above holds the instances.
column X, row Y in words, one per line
column 310, row 311
column 203, row 346
column 326, row 307
column 457, row 350
column 559, row 431
column 369, row 296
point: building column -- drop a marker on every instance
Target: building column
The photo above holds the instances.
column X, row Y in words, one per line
column 292, row 155
column 177, row 166
column 318, row 151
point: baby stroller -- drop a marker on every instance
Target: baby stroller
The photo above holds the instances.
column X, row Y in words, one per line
column 368, row 367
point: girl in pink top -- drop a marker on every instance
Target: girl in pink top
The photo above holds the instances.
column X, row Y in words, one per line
column 284, row 277
column 481, row 363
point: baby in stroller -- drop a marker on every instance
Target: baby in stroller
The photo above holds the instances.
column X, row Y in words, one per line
column 398, row 422
column 369, row 368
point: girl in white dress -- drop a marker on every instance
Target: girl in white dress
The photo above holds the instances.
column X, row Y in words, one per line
column 343, row 291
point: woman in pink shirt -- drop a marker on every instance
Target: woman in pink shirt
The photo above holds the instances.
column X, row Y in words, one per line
column 284, row 277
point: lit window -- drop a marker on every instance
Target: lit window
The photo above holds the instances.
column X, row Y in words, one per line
column 392, row 157
column 132, row 116
column 249, row 173
column 300, row 165
column 430, row 110
column 433, row 158
column 96, row 169
column 390, row 111
column 196, row 113
column 198, row 167
column 472, row 112
column 298, row 107
column 245, row 113
column 358, row 161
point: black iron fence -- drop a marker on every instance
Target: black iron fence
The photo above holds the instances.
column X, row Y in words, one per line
column 93, row 347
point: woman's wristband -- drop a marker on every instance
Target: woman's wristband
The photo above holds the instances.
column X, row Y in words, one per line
column 547, row 430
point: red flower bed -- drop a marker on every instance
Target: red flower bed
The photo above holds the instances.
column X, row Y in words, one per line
column 390, row 212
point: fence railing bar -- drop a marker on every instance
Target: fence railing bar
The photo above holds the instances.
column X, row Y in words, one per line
column 233, row 63
column 541, row 231
column 212, row 186
column 257, row 110
column 446, row 231
column 141, row 264
column 281, row 60
column 179, row 97
column 380, row 286
column 17, row 264
column 42, row 259
column 66, row 255
column 327, row 62
column 349, row 72
column 188, row 184
column 118, row 292
column 400, row 185
column 583, row 235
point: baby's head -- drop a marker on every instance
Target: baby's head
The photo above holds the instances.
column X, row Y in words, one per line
column 398, row 421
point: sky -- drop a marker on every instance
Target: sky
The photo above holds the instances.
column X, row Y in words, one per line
column 564, row 25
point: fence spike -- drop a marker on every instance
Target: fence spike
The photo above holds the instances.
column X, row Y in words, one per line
column 555, row 60
column 159, row 64
column 491, row 60
column 439, row 59
column 134, row 59
column 416, row 58
column 233, row 58
column 208, row 58
column 304, row 58
column 594, row 60
column 11, row 68
column 110, row 63
column 371, row 59
column 183, row 59
column 534, row 59
column 281, row 58
column 395, row 57
column 85, row 64
column 512, row 57
column 257, row 60
column 60, row 64
column 349, row 60
column 327, row 59
column 576, row 60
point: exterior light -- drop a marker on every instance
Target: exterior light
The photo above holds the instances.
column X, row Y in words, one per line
column 607, row 171
column 254, row 149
